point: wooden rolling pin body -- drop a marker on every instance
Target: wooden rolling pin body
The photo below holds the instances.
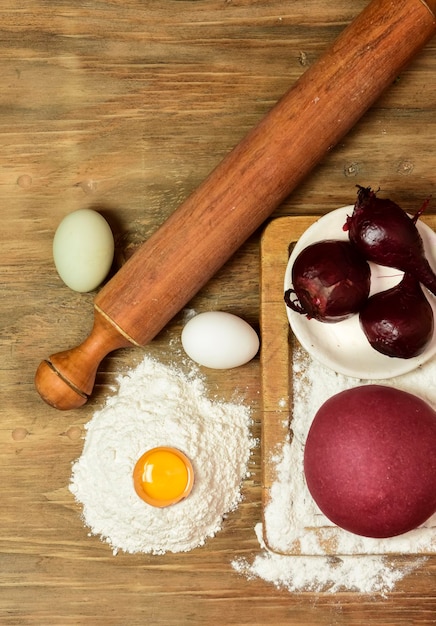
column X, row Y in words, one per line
column 238, row 196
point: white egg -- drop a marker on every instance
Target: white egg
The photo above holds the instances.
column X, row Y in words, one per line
column 219, row 340
column 83, row 250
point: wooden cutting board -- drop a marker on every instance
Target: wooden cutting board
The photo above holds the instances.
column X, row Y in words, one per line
column 276, row 356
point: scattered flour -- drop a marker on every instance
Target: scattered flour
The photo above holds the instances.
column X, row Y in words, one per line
column 294, row 524
column 158, row 405
column 363, row 574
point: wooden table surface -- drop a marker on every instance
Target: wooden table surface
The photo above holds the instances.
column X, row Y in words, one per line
column 125, row 107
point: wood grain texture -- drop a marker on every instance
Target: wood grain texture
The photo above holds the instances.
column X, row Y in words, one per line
column 126, row 107
column 244, row 189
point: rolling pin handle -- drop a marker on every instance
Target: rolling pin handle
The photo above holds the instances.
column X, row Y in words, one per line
column 431, row 5
column 66, row 379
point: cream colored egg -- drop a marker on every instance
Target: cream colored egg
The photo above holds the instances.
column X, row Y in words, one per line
column 83, row 250
column 219, row 340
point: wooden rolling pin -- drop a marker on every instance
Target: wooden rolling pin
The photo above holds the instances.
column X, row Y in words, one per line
column 236, row 198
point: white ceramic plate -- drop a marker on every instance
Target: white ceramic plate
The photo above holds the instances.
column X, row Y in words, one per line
column 343, row 346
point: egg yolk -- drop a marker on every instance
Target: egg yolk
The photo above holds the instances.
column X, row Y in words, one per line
column 162, row 476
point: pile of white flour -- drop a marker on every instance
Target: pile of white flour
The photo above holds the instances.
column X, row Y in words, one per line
column 158, row 405
column 358, row 563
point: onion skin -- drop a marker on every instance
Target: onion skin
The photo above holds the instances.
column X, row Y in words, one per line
column 331, row 281
column 398, row 322
column 370, row 460
column 386, row 235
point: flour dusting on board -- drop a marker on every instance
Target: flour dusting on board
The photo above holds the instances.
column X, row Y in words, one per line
column 158, row 405
column 299, row 555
